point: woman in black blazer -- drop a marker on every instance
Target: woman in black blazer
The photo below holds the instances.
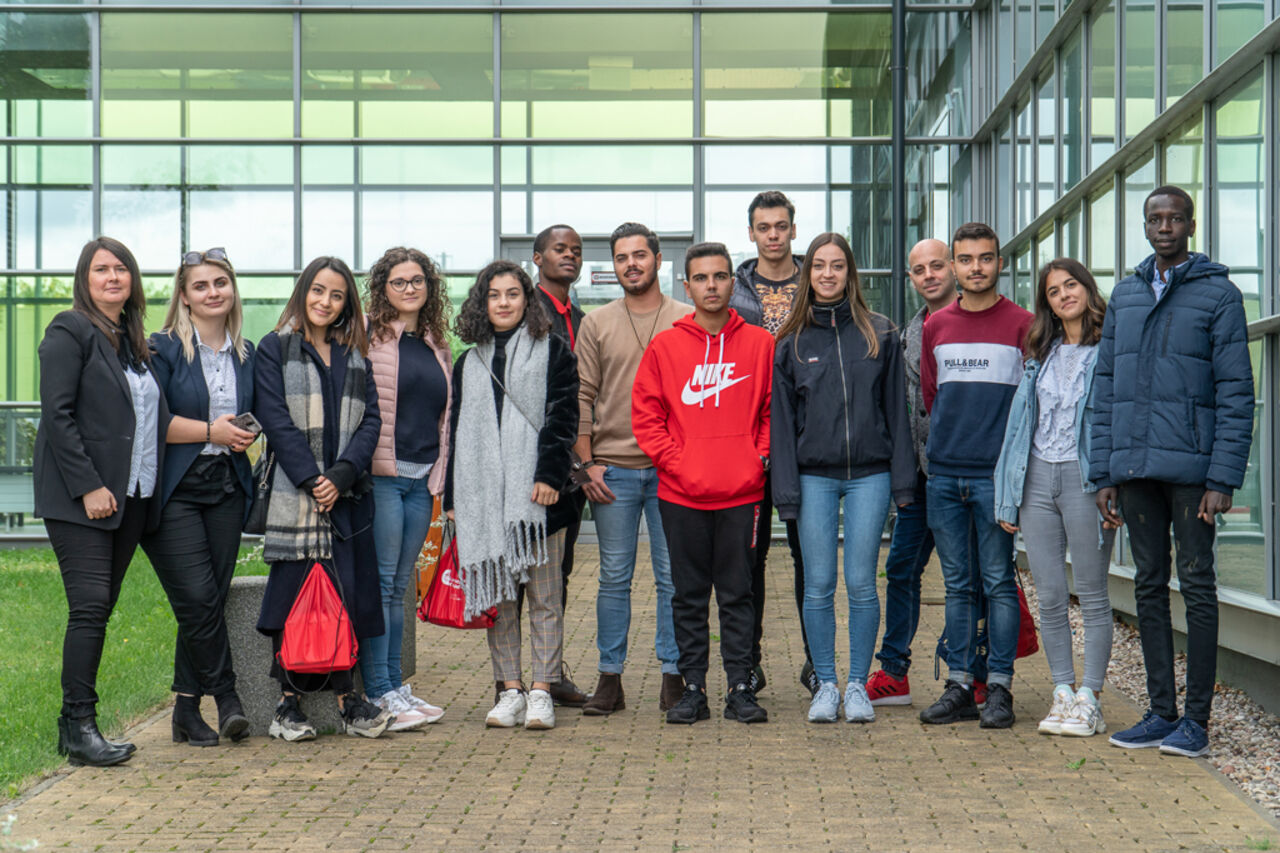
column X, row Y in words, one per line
column 98, row 454
column 205, row 369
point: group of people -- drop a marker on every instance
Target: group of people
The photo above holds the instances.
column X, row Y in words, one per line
column 775, row 385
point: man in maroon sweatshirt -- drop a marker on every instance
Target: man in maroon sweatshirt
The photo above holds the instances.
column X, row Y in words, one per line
column 700, row 411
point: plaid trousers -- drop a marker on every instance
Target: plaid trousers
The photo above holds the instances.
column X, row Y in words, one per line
column 546, row 621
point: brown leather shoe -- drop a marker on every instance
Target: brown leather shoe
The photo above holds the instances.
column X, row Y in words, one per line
column 672, row 690
column 565, row 692
column 607, row 698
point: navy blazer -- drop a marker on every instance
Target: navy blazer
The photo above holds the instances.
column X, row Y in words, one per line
column 85, row 438
column 187, row 394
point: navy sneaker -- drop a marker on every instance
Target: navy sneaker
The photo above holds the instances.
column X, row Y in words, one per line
column 1189, row 739
column 1150, row 732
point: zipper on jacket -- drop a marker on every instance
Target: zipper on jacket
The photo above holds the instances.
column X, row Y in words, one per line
column 1164, row 346
column 844, row 389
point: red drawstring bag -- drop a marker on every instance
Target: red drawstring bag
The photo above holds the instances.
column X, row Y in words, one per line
column 1028, row 644
column 318, row 636
column 445, row 603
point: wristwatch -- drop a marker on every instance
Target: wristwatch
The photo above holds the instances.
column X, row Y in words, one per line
column 591, row 462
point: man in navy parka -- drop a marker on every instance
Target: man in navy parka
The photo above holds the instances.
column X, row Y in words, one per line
column 1172, row 426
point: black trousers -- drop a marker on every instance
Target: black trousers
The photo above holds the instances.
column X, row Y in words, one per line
column 763, row 535
column 1149, row 508
column 712, row 548
column 93, row 563
column 194, row 554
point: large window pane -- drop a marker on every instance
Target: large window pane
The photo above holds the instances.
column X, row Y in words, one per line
column 1002, row 186
column 420, row 164
column 240, row 164
column 1071, row 247
column 44, row 74
column 425, row 75
column 1004, row 48
column 149, row 222
column 1240, row 204
column 1184, row 48
column 796, row 74
column 1072, row 112
column 50, row 227
column 1184, row 165
column 751, row 165
column 454, row 228
column 1024, row 152
column 938, row 100
column 328, row 225
column 53, row 164
column 1102, row 239
column 1139, row 65
column 1046, row 150
column 580, row 76
column 255, row 227
column 1025, row 35
column 932, row 177
column 1241, row 549
column 602, row 164
column 203, row 75
column 1238, row 21
column 1102, row 84
column 141, row 164
column 1137, row 184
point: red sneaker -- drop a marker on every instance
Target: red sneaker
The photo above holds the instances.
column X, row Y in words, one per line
column 980, row 693
column 885, row 689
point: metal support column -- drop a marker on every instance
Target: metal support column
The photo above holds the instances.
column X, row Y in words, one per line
column 898, row 242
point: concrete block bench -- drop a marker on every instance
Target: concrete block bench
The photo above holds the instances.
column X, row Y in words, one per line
column 251, row 656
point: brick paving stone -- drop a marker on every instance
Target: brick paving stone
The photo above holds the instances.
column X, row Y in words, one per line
column 630, row 782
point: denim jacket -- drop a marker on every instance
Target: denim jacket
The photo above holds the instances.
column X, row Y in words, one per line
column 1011, row 468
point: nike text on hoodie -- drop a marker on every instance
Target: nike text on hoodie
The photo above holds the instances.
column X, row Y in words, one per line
column 700, row 411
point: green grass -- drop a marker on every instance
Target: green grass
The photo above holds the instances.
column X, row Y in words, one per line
column 136, row 670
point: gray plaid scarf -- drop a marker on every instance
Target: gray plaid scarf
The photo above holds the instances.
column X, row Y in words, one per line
column 294, row 530
column 501, row 531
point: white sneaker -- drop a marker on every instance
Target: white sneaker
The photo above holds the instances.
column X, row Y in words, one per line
column 542, row 712
column 433, row 713
column 857, row 705
column 1063, row 702
column 826, row 703
column 1085, row 719
column 510, row 710
column 407, row 717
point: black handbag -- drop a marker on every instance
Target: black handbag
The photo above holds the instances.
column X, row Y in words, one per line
column 263, row 471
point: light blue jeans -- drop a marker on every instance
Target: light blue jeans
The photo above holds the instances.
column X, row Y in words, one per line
column 866, row 506
column 617, row 531
column 401, row 518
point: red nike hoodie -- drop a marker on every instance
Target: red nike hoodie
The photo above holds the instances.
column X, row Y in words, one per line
column 700, row 411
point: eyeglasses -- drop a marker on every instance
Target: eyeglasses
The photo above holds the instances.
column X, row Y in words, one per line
column 399, row 285
column 190, row 259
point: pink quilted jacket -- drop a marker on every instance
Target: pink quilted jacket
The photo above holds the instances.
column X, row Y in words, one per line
column 385, row 357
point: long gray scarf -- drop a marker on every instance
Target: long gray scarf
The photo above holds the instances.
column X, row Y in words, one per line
column 501, row 532
column 294, row 530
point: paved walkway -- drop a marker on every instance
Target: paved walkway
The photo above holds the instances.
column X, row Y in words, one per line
column 630, row 782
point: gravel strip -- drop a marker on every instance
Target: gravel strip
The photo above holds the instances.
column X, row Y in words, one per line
column 1244, row 738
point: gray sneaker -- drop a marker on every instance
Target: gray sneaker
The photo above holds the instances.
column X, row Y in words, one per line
column 289, row 723
column 363, row 718
column 825, row 704
column 857, row 706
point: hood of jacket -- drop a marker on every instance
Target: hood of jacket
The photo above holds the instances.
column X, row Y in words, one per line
column 1197, row 266
column 745, row 300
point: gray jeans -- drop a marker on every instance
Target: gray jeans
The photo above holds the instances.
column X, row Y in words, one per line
column 1056, row 513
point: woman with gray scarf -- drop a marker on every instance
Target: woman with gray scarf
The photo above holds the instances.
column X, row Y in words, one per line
column 513, row 419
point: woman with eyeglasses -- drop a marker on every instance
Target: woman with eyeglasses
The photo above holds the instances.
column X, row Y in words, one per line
column 315, row 398
column 205, row 369
column 411, row 361
column 98, row 454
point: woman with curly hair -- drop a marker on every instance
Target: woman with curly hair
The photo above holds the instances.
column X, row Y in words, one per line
column 513, row 421
column 407, row 306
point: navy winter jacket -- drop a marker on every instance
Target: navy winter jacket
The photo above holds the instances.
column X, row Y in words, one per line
column 1173, row 387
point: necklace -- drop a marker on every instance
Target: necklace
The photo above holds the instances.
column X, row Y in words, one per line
column 644, row 345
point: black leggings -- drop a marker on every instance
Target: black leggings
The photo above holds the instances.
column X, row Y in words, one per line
column 194, row 554
column 92, row 563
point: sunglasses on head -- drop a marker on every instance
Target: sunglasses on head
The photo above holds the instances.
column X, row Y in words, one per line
column 190, row 259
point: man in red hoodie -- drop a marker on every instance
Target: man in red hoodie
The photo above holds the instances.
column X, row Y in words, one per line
column 700, row 411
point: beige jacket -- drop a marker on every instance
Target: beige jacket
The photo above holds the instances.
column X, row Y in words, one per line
column 385, row 357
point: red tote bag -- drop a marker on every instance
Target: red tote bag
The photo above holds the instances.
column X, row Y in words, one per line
column 445, row 603
column 318, row 636
column 1028, row 643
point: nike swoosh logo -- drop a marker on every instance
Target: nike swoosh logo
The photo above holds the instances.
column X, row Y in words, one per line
column 691, row 397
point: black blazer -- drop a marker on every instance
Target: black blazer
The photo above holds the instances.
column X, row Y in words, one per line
column 85, row 439
column 187, row 394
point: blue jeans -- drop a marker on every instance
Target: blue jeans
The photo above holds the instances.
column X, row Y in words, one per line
column 866, row 505
column 617, row 531
column 958, row 508
column 909, row 553
column 401, row 517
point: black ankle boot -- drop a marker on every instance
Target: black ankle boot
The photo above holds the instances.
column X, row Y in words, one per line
column 232, row 723
column 188, row 725
column 82, row 743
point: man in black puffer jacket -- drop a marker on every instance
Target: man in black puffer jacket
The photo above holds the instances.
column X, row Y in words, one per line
column 1172, row 427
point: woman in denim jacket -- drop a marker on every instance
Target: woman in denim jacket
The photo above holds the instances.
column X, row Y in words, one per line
column 1042, row 483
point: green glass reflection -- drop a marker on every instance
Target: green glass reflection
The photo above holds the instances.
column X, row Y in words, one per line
column 1024, row 152
column 938, row 72
column 49, row 227
column 201, row 75
column 1137, row 184
column 796, row 74
column 663, row 165
column 1102, row 234
column 53, row 164
column 423, row 75
column 1004, row 47
column 328, row 164
column 1239, row 207
column 1023, row 286
column 44, row 74
column 213, row 165
column 589, row 75
column 1071, row 247
column 1002, row 186
column 1102, row 84
column 149, row 222
column 430, row 165
column 1072, row 112
column 1241, row 556
column 1184, row 48
column 1184, row 165
column 1139, row 65
column 141, row 165
column 1237, row 22
column 929, row 190
column 1046, row 151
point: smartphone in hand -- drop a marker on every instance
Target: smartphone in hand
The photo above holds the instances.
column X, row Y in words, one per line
column 247, row 422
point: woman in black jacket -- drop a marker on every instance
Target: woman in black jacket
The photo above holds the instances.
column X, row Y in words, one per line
column 315, row 398
column 205, row 369
column 514, row 418
column 98, row 455
column 839, row 431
